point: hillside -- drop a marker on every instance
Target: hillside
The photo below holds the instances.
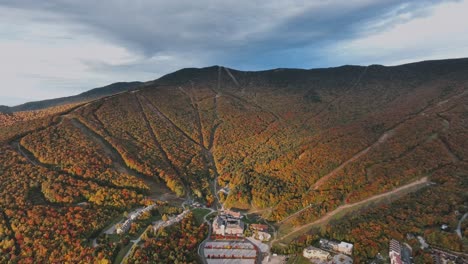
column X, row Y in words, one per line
column 292, row 144
column 82, row 97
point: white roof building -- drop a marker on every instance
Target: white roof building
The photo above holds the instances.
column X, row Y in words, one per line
column 338, row 246
column 345, row 248
column 313, row 252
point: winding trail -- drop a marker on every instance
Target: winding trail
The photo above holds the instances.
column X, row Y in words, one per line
column 207, row 152
column 243, row 100
column 156, row 110
column 232, row 76
column 159, row 146
column 458, row 230
column 356, row 156
column 31, row 158
column 198, row 121
column 352, row 86
column 443, row 139
column 17, row 145
column 417, row 184
column 158, row 191
column 384, row 137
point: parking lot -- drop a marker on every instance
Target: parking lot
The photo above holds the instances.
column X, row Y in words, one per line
column 219, row 252
column 230, row 261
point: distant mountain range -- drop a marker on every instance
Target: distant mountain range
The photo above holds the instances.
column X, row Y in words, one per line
column 275, row 77
column 86, row 96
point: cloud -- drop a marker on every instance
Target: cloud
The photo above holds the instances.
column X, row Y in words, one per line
column 42, row 60
column 157, row 27
column 442, row 34
column 77, row 45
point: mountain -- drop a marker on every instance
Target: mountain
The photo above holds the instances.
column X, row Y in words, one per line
column 86, row 96
column 4, row 109
column 356, row 153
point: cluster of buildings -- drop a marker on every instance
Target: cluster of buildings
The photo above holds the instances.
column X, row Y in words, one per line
column 259, row 227
column 402, row 252
column 336, row 252
column 439, row 256
column 125, row 226
column 337, row 246
column 172, row 220
column 231, row 247
column 261, row 232
column 443, row 257
column 225, row 190
column 228, row 223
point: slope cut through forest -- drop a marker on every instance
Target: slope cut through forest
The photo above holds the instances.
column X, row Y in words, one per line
column 293, row 144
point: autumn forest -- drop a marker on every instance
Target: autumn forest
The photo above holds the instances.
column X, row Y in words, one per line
column 290, row 145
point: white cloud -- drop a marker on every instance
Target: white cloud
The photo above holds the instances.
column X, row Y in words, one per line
column 54, row 48
column 439, row 34
column 43, row 60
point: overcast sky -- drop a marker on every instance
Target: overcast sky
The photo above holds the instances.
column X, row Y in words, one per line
column 53, row 48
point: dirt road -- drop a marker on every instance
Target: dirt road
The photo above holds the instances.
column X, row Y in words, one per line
column 419, row 183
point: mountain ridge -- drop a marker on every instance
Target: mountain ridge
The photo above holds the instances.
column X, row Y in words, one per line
column 85, row 96
column 193, row 73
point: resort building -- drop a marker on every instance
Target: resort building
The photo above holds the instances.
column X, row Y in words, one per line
column 228, row 223
column 337, row 246
column 394, row 252
column 317, row 253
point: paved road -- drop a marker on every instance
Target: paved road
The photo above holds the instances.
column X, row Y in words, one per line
column 200, row 247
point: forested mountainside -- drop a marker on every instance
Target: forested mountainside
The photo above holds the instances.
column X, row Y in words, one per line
column 82, row 97
column 290, row 144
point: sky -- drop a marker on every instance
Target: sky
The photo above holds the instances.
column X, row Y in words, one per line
column 54, row 48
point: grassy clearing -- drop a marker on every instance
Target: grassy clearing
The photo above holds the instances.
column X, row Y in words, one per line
column 199, row 214
column 118, row 259
column 143, row 224
column 252, row 219
column 139, row 231
column 114, row 238
column 113, row 222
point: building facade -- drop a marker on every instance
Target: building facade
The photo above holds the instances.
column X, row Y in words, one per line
column 228, row 223
column 394, row 252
